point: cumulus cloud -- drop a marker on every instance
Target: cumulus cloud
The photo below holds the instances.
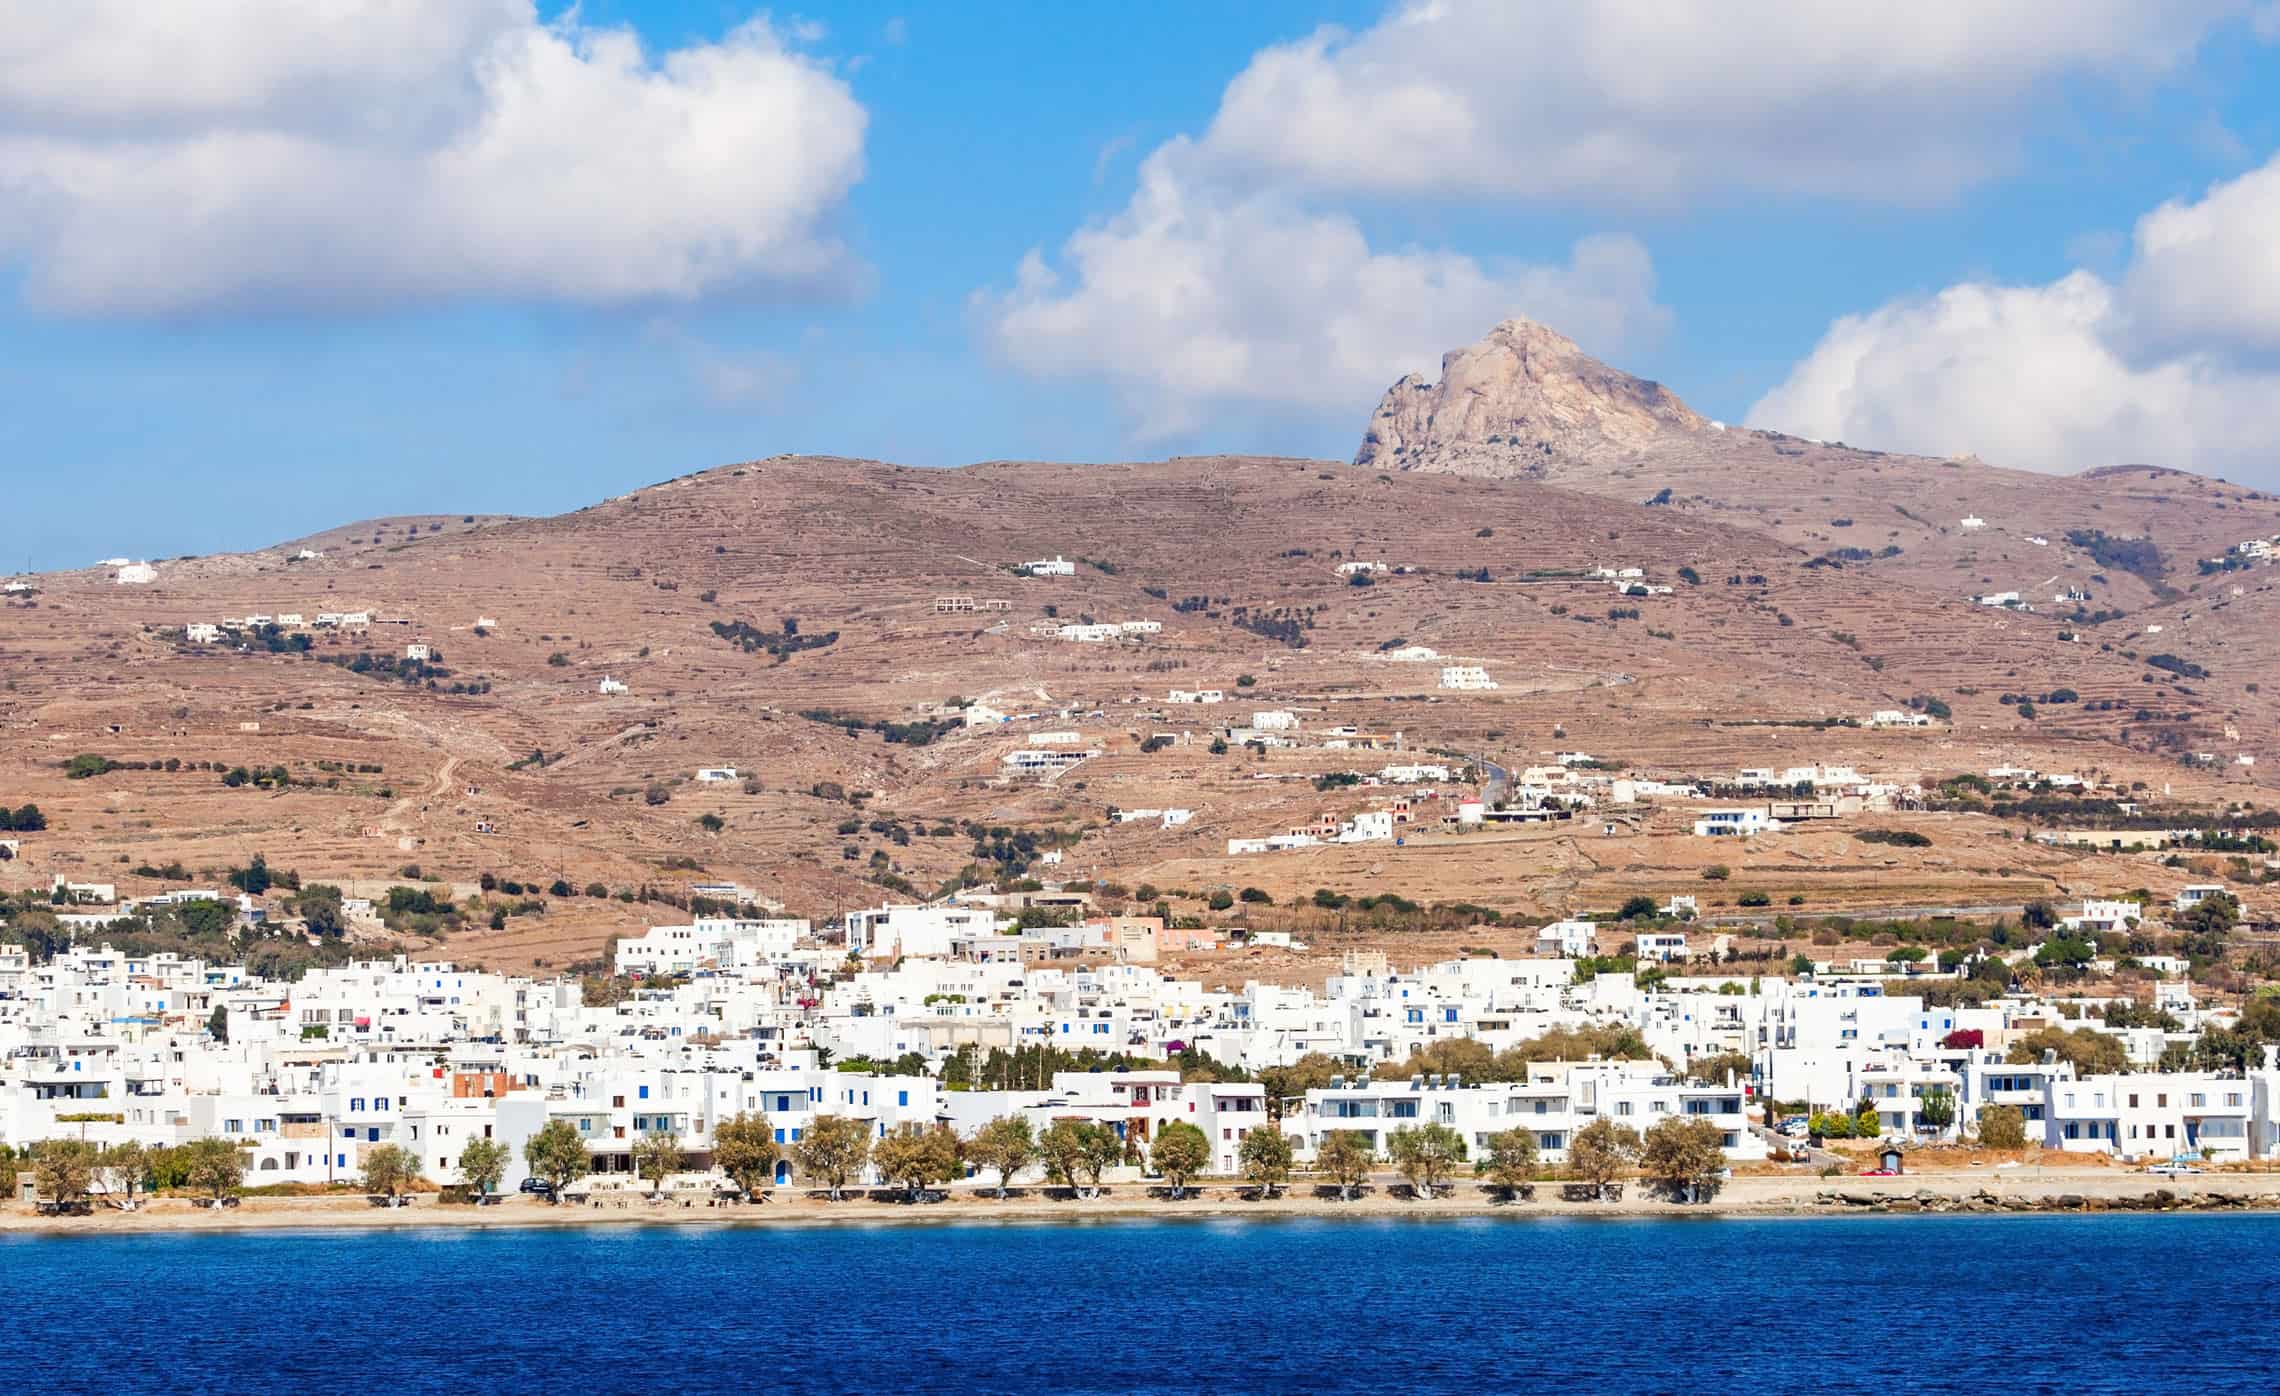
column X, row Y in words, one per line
column 2209, row 271
column 1195, row 297
column 1238, row 273
column 361, row 153
column 1636, row 101
column 2165, row 366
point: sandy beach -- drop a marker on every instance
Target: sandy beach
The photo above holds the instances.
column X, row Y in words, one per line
column 1944, row 1193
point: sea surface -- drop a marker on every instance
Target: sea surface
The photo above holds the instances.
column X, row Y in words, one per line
column 1888, row 1305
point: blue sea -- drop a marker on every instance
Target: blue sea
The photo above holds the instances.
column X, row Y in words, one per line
column 1978, row 1304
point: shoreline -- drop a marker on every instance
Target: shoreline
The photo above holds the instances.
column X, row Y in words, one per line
column 1938, row 1194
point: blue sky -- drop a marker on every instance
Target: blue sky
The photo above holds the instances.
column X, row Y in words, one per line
column 2048, row 248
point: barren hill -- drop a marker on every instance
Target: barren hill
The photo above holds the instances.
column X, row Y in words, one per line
column 807, row 621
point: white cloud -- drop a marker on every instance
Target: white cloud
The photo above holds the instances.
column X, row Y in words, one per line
column 2162, row 367
column 2209, row 272
column 1638, row 101
column 174, row 158
column 1237, row 274
column 1196, row 297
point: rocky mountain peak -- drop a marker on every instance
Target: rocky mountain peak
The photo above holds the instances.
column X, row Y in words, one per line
column 1525, row 400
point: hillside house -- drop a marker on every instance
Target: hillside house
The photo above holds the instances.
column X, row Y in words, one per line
column 1141, row 627
column 1088, row 634
column 486, row 623
column 1357, row 569
column 1973, row 522
column 135, row 574
column 1567, row 939
column 1416, row 774
column 1734, row 823
column 716, row 775
column 1196, row 695
column 1470, row 678
column 1665, row 946
column 418, row 652
column 1029, row 761
column 2009, row 599
column 1413, row 654
column 290, row 620
column 1274, row 721
column 18, row 587
column 1054, row 566
column 202, row 632
column 2195, row 893
column 1055, row 738
column 1898, row 717
column 610, row 686
column 2104, row 916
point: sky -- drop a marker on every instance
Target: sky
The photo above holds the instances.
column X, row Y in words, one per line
column 268, row 266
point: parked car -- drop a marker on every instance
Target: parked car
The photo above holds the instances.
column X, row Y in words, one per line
column 539, row 1186
column 2172, row 1170
column 1794, row 1127
column 1879, row 1173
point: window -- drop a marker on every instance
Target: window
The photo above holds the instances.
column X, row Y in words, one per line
column 233, row 1126
column 645, row 1093
column 902, row 1097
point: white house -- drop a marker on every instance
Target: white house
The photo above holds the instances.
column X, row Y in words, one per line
column 709, row 942
column 1369, row 826
column 2196, row 893
column 1661, row 945
column 418, row 652
column 1274, row 721
column 2103, row 916
column 610, row 686
column 1896, row 717
column 888, row 931
column 1721, row 823
column 135, row 574
column 716, row 775
column 1349, row 569
column 1467, row 677
column 1089, row 634
column 202, row 632
column 1054, row 566
column 1569, row 938
column 1973, row 521
column 1196, row 695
